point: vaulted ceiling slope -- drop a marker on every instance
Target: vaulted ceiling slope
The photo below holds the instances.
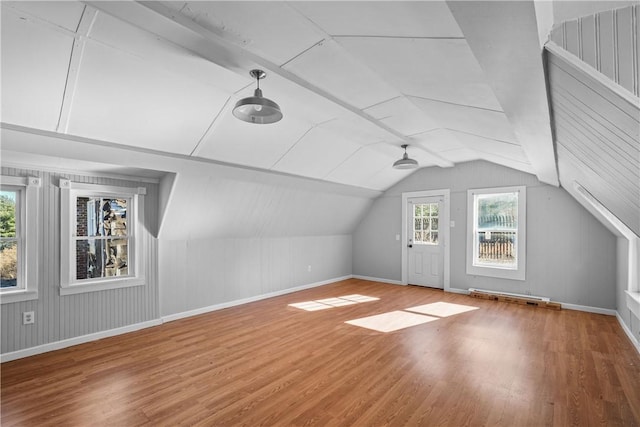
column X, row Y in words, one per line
column 457, row 81
column 595, row 87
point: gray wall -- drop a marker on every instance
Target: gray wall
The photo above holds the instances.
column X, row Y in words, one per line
column 196, row 274
column 63, row 317
column 571, row 257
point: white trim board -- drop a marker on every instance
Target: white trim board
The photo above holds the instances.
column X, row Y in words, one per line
column 627, row 331
column 377, row 279
column 58, row 345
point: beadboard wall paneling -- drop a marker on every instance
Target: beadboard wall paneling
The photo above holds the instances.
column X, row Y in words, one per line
column 597, row 139
column 608, row 41
column 62, row 317
column 196, row 274
column 570, row 255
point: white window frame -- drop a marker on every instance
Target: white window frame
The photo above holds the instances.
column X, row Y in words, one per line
column 27, row 221
column 518, row 273
column 69, row 192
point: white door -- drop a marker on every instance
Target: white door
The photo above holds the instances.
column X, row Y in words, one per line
column 425, row 246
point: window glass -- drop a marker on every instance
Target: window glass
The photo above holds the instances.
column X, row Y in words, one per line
column 9, row 241
column 496, row 232
column 496, row 227
column 101, row 237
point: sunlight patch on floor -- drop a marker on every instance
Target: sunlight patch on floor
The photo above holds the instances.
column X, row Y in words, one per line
column 323, row 304
column 413, row 316
column 441, row 309
column 336, row 302
column 392, row 321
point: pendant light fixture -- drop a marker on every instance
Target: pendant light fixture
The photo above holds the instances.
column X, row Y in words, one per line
column 256, row 108
column 405, row 162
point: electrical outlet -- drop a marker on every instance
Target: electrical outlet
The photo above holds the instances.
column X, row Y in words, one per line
column 28, row 317
column 309, row 268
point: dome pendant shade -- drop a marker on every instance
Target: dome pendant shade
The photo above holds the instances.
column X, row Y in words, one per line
column 256, row 108
column 405, row 162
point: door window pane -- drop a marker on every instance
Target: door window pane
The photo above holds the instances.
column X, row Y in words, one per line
column 425, row 217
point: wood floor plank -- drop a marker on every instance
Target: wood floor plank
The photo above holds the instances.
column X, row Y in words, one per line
column 267, row 363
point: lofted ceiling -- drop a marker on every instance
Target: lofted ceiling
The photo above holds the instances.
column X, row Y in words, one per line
column 457, row 81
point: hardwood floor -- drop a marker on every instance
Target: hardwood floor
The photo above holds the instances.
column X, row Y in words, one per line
column 266, row 363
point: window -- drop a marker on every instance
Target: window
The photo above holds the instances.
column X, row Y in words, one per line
column 18, row 238
column 99, row 237
column 425, row 224
column 496, row 232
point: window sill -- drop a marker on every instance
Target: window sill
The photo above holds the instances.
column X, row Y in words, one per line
column 633, row 302
column 7, row 297
column 101, row 286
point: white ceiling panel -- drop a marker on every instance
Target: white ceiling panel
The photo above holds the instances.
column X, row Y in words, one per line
column 484, row 145
column 328, row 66
column 354, row 80
column 35, row 60
column 163, row 54
column 478, row 121
column 352, row 171
column 459, row 155
column 383, row 18
column 123, row 99
column 386, row 177
column 437, row 140
column 234, row 141
column 441, row 69
column 295, row 100
column 358, row 130
column 316, row 154
column 265, row 28
column 402, row 115
column 65, row 14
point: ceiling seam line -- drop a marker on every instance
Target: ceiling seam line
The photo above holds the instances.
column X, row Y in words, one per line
column 166, row 154
column 85, row 23
column 207, row 132
column 371, row 36
column 382, row 102
column 342, row 162
column 212, row 38
column 455, row 103
column 292, row 146
column 484, row 137
column 303, row 52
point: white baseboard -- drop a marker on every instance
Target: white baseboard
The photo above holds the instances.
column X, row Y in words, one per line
column 588, row 309
column 627, row 331
column 57, row 345
column 377, row 279
column 202, row 310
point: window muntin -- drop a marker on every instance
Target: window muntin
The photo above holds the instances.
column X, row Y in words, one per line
column 11, row 246
column 496, row 232
column 425, row 223
column 100, row 239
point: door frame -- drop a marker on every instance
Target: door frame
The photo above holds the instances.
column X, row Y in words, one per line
column 445, row 219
